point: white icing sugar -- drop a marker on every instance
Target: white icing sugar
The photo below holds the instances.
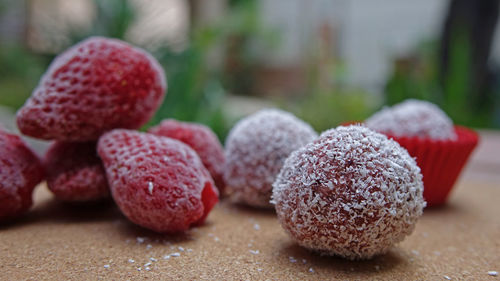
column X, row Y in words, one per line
column 352, row 193
column 256, row 148
column 413, row 118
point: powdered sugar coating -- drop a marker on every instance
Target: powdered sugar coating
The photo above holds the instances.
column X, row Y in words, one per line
column 157, row 182
column 352, row 193
column 413, row 118
column 93, row 87
column 202, row 140
column 256, row 148
column 20, row 172
column 75, row 172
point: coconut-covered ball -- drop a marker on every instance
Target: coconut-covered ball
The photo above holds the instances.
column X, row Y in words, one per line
column 256, row 149
column 352, row 192
column 413, row 118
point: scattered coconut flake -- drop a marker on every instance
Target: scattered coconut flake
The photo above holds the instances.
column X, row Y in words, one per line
column 139, row 269
column 189, row 250
column 175, row 255
column 255, row 252
column 447, row 277
column 153, row 259
column 415, row 252
column 292, row 259
column 149, row 246
column 216, row 239
column 147, row 268
column 311, row 270
column 147, row 264
column 131, row 260
column 166, row 257
column 377, row 267
column 181, row 249
column 256, row 226
column 493, row 273
column 259, row 269
column 106, row 266
column 304, row 261
column 140, row 240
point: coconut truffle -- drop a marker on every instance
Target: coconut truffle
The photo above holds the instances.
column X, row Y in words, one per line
column 256, row 149
column 413, row 118
column 352, row 193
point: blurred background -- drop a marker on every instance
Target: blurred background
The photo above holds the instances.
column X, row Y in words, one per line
column 327, row 61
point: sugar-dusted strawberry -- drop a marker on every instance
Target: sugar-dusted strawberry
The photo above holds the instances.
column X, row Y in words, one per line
column 97, row 85
column 20, row 172
column 75, row 172
column 158, row 182
column 202, row 140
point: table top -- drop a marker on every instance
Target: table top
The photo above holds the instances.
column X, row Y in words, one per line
column 54, row 241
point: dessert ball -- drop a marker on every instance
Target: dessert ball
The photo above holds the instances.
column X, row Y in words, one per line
column 352, row 193
column 256, row 148
column 413, row 118
column 202, row 140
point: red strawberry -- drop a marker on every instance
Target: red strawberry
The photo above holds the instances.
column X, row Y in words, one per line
column 75, row 172
column 202, row 140
column 20, row 172
column 97, row 85
column 158, row 183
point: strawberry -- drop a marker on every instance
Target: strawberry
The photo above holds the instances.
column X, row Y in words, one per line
column 20, row 172
column 97, row 85
column 75, row 172
column 157, row 182
column 202, row 140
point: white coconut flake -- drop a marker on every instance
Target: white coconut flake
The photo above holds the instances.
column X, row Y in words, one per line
column 447, row 277
column 153, row 259
column 106, row 266
column 141, row 240
column 166, row 257
column 149, row 246
column 254, row 252
column 131, row 260
column 180, row 249
column 311, row 270
column 150, row 187
column 175, row 255
column 493, row 273
column 256, row 226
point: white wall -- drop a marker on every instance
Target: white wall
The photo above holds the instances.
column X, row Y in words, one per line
column 371, row 32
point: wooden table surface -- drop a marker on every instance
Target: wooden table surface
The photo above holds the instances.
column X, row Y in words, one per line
column 459, row 241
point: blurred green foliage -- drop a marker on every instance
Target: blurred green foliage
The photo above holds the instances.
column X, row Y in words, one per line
column 20, row 71
column 330, row 101
column 417, row 76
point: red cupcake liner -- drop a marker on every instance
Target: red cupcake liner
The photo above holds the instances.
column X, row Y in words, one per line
column 440, row 161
